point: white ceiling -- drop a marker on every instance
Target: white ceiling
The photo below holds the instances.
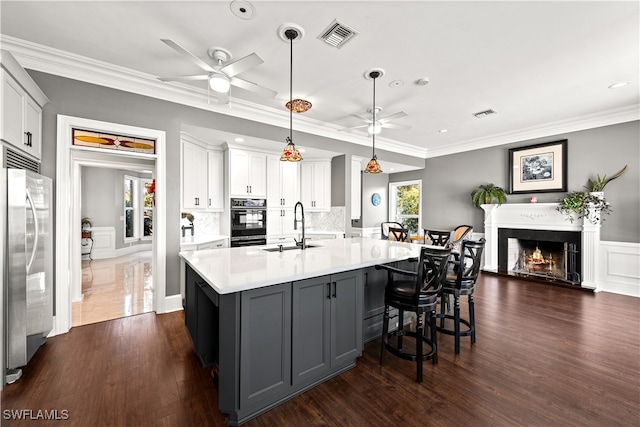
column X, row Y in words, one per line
column 543, row 66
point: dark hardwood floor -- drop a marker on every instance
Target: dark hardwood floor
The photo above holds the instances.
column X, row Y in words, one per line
column 545, row 356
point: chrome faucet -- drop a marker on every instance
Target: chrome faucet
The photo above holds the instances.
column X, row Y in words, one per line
column 301, row 243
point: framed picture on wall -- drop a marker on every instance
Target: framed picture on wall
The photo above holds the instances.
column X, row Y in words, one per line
column 540, row 168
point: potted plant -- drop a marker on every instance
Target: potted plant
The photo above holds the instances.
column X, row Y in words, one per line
column 487, row 194
column 86, row 225
column 598, row 184
column 580, row 204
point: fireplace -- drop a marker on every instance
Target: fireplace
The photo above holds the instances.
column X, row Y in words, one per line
column 542, row 254
column 568, row 251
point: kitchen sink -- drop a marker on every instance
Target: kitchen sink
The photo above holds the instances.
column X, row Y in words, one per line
column 288, row 248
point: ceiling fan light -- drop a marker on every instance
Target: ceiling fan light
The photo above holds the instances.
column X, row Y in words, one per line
column 374, row 128
column 373, row 166
column 219, row 83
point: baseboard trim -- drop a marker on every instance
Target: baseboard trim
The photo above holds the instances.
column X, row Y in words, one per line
column 172, row 303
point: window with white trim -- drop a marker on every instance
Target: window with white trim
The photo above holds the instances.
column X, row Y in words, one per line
column 405, row 204
column 138, row 209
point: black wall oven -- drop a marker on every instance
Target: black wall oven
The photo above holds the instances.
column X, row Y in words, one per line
column 248, row 222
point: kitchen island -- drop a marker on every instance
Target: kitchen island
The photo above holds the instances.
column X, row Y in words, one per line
column 276, row 323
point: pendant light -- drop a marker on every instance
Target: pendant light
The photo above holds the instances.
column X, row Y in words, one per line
column 290, row 152
column 373, row 166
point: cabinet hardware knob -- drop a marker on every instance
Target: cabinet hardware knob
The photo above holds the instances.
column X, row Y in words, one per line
column 335, row 290
column 328, row 290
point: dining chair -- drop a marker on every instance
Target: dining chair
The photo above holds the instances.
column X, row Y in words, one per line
column 436, row 237
column 417, row 292
column 459, row 281
column 387, row 234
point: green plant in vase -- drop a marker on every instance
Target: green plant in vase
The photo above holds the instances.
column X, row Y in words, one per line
column 487, row 194
column 598, row 184
column 579, row 204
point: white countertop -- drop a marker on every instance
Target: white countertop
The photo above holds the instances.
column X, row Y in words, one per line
column 199, row 239
column 230, row 270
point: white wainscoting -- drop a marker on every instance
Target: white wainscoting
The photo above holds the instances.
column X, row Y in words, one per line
column 104, row 242
column 620, row 268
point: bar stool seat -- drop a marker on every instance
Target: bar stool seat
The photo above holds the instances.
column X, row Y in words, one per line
column 418, row 295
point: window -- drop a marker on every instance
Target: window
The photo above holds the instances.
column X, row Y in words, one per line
column 130, row 207
column 404, row 204
column 147, row 214
column 138, row 209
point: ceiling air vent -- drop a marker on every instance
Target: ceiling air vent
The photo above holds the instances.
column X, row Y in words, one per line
column 485, row 113
column 337, row 34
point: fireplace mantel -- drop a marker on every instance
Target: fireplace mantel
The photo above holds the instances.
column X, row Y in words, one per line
column 541, row 216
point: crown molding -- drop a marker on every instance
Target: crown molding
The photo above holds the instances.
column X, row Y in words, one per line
column 49, row 60
column 604, row 118
column 65, row 64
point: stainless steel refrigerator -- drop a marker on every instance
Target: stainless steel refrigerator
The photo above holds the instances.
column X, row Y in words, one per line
column 28, row 278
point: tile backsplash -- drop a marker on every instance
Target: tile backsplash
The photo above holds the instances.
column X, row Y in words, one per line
column 205, row 223
column 329, row 221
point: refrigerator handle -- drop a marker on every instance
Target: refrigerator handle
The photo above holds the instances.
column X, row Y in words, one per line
column 37, row 232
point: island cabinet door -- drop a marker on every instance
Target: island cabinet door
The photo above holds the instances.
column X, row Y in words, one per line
column 311, row 318
column 265, row 343
column 346, row 317
column 375, row 282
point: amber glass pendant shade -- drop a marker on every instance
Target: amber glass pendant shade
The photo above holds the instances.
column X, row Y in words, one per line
column 298, row 105
column 373, row 166
column 290, row 153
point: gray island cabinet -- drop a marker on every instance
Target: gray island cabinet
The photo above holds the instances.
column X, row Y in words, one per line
column 275, row 324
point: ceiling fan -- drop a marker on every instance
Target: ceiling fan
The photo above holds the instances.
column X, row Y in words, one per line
column 223, row 74
column 380, row 122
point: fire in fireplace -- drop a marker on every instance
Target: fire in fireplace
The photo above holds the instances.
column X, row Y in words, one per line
column 549, row 255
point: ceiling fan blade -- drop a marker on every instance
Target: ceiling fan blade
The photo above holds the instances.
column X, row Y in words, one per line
column 242, row 64
column 184, row 52
column 253, row 87
column 363, row 118
column 184, row 78
column 355, row 127
column 391, row 117
column 395, row 126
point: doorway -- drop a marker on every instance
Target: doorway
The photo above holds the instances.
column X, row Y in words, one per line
column 69, row 161
column 117, row 237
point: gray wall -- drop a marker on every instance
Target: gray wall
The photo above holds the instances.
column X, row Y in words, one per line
column 74, row 98
column 102, row 199
column 447, row 181
column 372, row 216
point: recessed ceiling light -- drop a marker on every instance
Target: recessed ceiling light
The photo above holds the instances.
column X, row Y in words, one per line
column 443, row 130
column 618, row 85
column 243, row 9
column 238, row 139
column 396, row 83
column 423, row 81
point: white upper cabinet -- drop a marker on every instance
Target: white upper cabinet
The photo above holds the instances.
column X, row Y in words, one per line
column 283, row 190
column 315, row 185
column 202, row 178
column 194, row 176
column 215, row 184
column 22, row 103
column 247, row 173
